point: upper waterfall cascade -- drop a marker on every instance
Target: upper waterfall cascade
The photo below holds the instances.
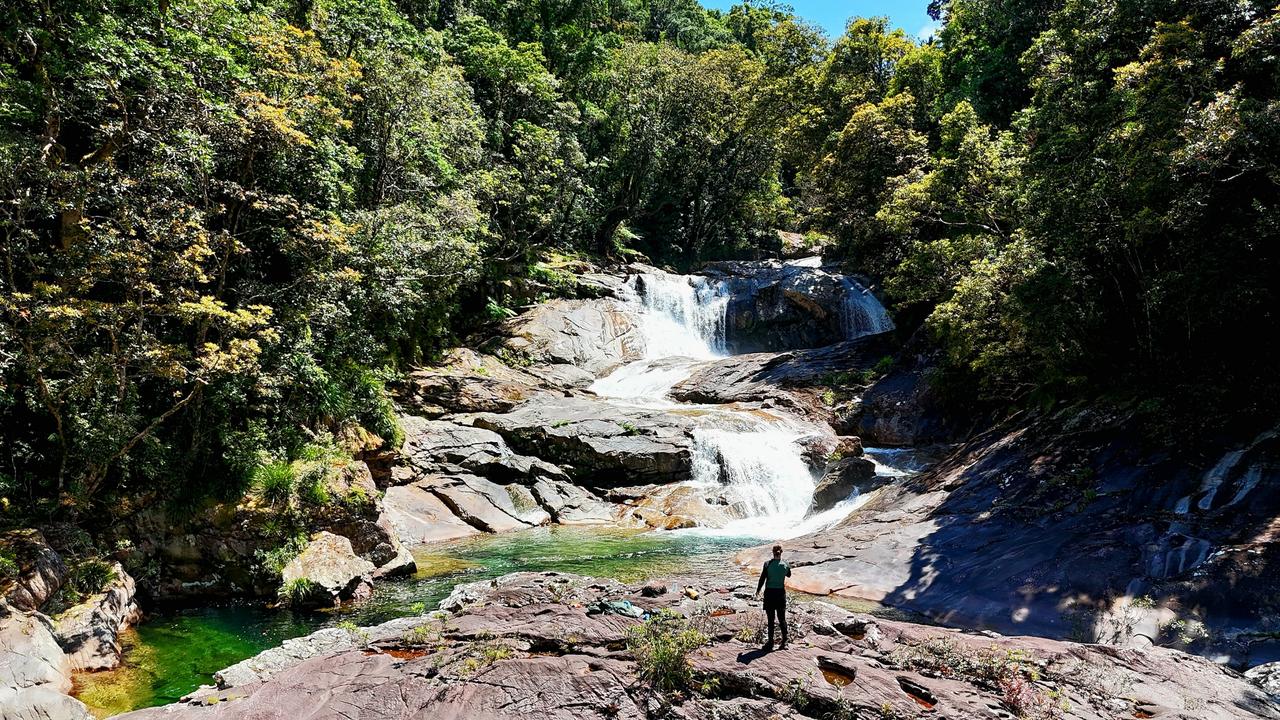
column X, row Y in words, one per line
column 756, row 460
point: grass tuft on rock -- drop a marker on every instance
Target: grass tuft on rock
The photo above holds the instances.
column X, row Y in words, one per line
column 301, row 592
column 661, row 646
column 274, row 481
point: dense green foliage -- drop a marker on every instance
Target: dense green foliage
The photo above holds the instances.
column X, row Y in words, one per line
column 225, row 224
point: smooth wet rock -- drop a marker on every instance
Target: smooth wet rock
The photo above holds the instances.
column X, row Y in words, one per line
column 41, row 570
column 89, row 632
column 841, row 478
column 329, row 562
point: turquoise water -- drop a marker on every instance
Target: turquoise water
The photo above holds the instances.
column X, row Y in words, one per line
column 177, row 649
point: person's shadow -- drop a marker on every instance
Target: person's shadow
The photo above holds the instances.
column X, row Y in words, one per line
column 746, row 657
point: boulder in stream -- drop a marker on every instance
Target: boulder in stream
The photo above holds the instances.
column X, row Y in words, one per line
column 90, row 631
column 326, row 572
column 841, row 478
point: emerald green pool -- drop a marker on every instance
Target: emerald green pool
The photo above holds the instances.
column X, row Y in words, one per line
column 178, row 649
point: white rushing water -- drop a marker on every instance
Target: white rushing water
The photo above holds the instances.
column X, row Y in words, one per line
column 684, row 315
column 862, row 314
column 754, row 460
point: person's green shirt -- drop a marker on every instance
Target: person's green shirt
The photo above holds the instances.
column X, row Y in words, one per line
column 774, row 575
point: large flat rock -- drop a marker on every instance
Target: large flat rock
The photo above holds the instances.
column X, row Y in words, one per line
column 550, row 645
column 598, row 442
column 594, row 335
column 470, row 381
column 1066, row 527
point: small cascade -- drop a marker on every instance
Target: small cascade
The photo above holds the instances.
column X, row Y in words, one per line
column 684, row 315
column 761, row 470
column 644, row 382
column 862, row 314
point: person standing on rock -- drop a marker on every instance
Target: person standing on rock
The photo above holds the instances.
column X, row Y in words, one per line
column 773, row 579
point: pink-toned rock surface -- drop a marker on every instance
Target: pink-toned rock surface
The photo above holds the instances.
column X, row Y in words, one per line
column 547, row 645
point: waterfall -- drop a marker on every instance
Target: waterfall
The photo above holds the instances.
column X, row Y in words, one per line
column 684, row 315
column 762, row 470
column 754, row 460
column 862, row 314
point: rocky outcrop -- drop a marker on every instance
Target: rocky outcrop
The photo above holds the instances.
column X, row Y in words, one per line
column 676, row 506
column 35, row 674
column 468, row 381
column 1069, row 525
column 569, row 504
column 38, row 654
column 40, row 569
column 902, row 408
column 331, row 570
column 599, row 443
column 420, row 517
column 31, row 654
column 217, row 550
column 448, row 506
column 841, row 478
column 436, row 446
column 550, row 645
column 781, row 305
column 1266, row 677
column 795, row 381
column 594, row 335
column 89, row 632
column 378, row 542
column 291, row 652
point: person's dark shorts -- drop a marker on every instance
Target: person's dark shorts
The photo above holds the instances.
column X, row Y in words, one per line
column 775, row 598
